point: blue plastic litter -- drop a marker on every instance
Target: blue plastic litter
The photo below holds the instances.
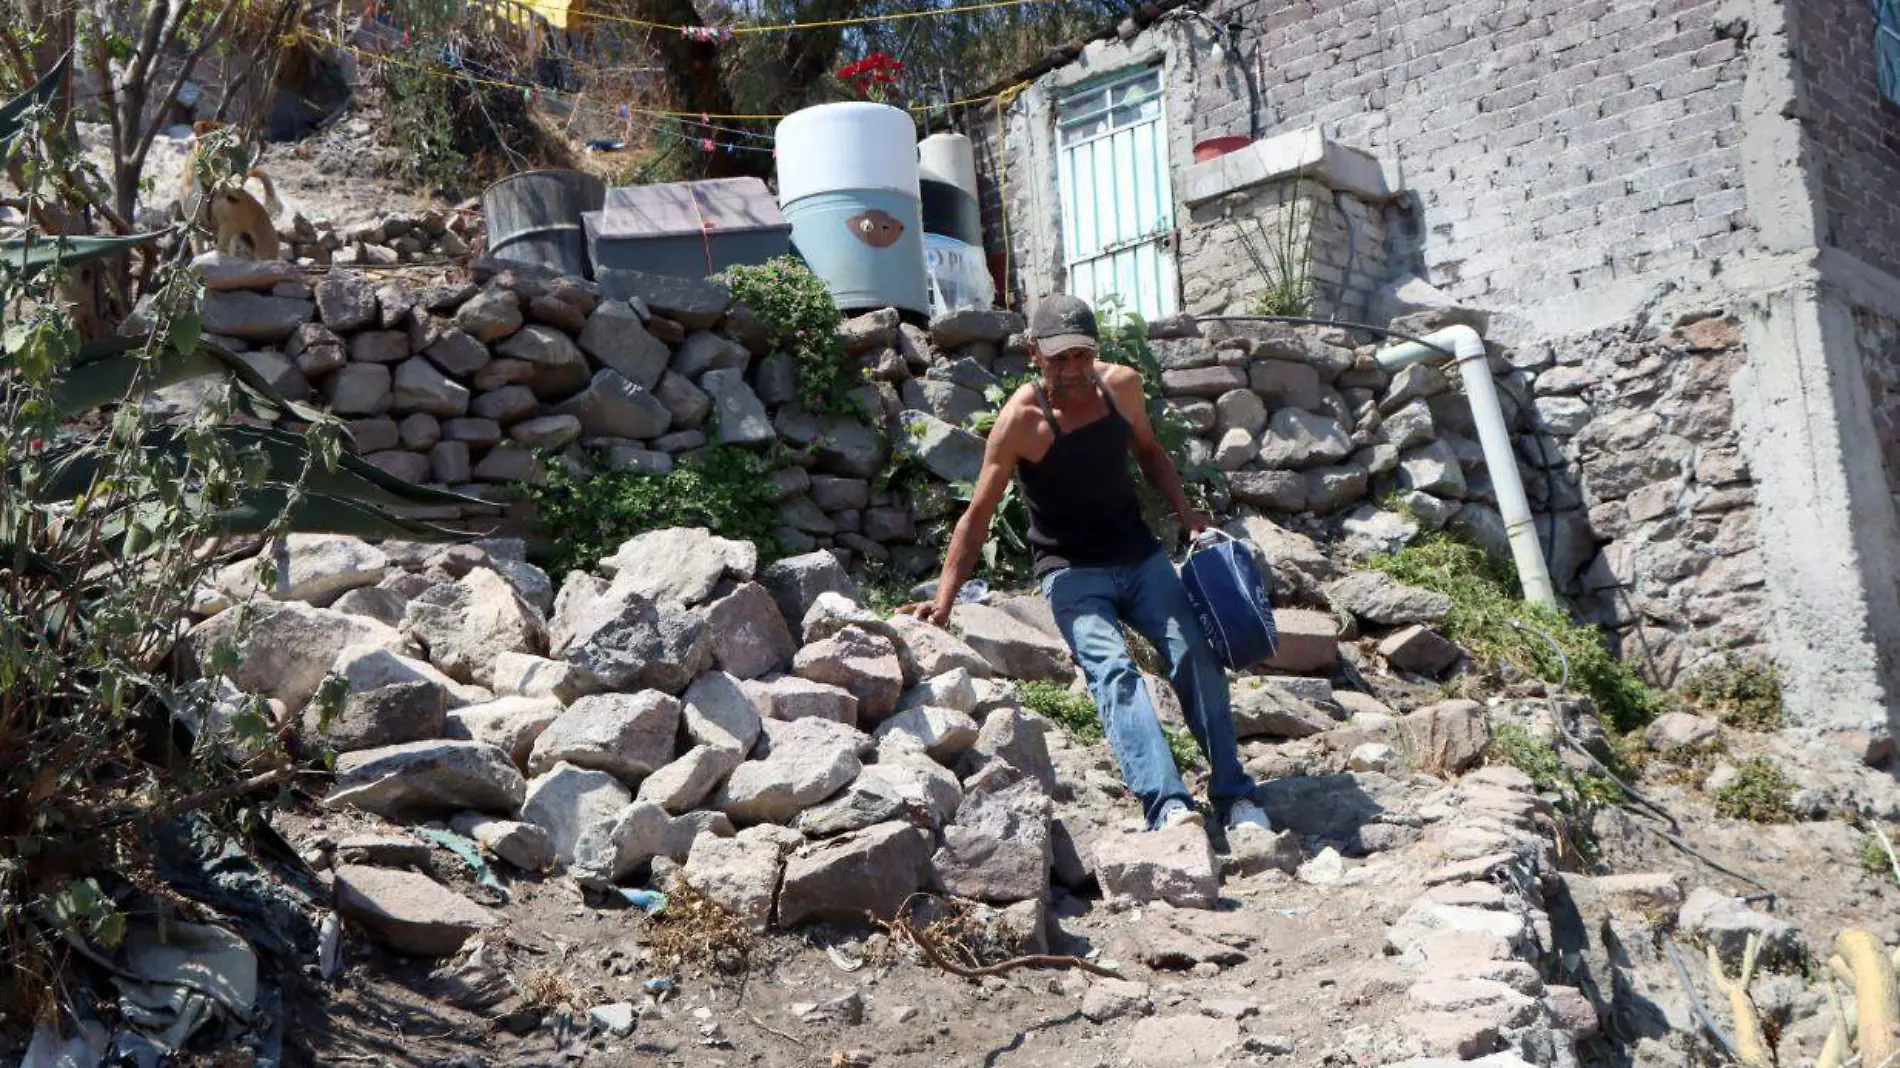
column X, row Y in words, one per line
column 1230, row 600
column 651, row 901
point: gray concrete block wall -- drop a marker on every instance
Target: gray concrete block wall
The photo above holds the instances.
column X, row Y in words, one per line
column 1854, row 131
column 1229, row 250
column 1553, row 145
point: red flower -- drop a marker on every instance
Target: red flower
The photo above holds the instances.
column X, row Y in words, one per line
column 876, row 69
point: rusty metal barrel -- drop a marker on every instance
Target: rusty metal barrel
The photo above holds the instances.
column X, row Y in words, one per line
column 535, row 217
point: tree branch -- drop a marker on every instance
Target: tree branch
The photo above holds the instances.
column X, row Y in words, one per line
column 185, row 70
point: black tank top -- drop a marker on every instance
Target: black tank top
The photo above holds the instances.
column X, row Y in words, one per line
column 1081, row 496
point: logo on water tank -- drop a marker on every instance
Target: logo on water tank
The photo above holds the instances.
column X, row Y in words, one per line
column 877, row 228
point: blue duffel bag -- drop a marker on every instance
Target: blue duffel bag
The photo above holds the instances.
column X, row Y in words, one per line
column 1230, row 599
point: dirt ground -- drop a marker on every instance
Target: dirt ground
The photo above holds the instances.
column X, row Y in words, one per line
column 1303, row 974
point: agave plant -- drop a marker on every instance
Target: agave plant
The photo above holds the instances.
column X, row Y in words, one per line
column 115, row 512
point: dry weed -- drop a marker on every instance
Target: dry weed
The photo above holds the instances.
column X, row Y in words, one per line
column 696, row 932
column 545, row 990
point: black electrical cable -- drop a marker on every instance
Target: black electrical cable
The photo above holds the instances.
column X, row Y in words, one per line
column 1302, row 320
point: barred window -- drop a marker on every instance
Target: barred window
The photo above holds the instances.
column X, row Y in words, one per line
column 1887, row 48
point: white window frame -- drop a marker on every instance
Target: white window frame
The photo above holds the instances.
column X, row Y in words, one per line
column 1126, row 130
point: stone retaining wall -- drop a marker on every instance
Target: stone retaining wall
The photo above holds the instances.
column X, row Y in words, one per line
column 473, row 386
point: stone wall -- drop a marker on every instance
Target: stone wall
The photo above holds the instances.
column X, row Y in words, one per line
column 1285, row 208
column 1666, row 487
column 1877, row 339
column 1852, row 128
column 475, row 386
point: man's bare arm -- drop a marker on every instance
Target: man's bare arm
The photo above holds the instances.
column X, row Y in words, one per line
column 966, row 542
column 1155, row 463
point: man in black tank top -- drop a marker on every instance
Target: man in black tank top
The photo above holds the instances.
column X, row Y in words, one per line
column 1068, row 439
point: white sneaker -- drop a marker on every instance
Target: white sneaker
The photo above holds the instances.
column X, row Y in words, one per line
column 1178, row 813
column 1245, row 813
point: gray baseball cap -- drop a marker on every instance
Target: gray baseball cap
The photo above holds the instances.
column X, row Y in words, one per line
column 1062, row 322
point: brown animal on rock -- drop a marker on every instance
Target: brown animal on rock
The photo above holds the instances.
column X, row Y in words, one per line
column 239, row 223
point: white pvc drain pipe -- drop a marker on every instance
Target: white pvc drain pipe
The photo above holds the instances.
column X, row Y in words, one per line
column 1467, row 349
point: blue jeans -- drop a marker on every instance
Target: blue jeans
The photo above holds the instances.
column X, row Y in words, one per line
column 1090, row 604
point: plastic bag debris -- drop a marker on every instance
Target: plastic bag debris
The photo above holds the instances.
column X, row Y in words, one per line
column 649, row 901
column 470, row 854
column 85, row 1048
column 180, row 976
column 329, row 945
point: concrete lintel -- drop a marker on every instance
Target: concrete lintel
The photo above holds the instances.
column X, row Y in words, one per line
column 1861, row 282
column 1304, row 153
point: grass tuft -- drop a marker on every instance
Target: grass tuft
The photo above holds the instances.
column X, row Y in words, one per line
column 1759, row 793
column 1484, row 604
column 1741, row 692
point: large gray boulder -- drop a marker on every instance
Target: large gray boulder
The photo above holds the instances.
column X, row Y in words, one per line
column 808, row 761
column 870, row 871
column 861, row 663
column 749, row 635
column 719, row 712
column 1298, row 439
column 740, row 873
column 632, row 644
column 617, row 337
column 467, row 625
column 796, row 582
column 949, row 452
column 998, row 849
column 313, row 568
column 284, row 649
column 511, row 724
column 1174, row 865
column 613, row 407
column 568, row 801
column 423, row 779
column 678, row 564
column 408, row 912
column 627, row 735
column 738, row 415
column 1012, row 648
column 609, row 852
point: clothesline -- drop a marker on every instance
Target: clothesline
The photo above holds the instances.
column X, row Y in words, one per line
column 701, row 117
column 721, row 33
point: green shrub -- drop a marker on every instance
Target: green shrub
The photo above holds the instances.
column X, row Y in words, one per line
column 1759, row 793
column 801, row 320
column 1484, row 604
column 1073, row 712
column 1742, row 692
column 1874, row 858
column 1182, row 746
column 726, row 489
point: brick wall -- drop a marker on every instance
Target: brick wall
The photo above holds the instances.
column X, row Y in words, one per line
column 1854, row 130
column 1553, row 145
column 1505, row 117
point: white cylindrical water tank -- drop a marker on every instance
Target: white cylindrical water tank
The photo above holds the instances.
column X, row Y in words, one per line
column 948, row 158
column 846, row 146
column 848, row 183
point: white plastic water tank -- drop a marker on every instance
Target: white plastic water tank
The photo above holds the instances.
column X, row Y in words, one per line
column 848, row 183
column 948, row 158
column 854, row 145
